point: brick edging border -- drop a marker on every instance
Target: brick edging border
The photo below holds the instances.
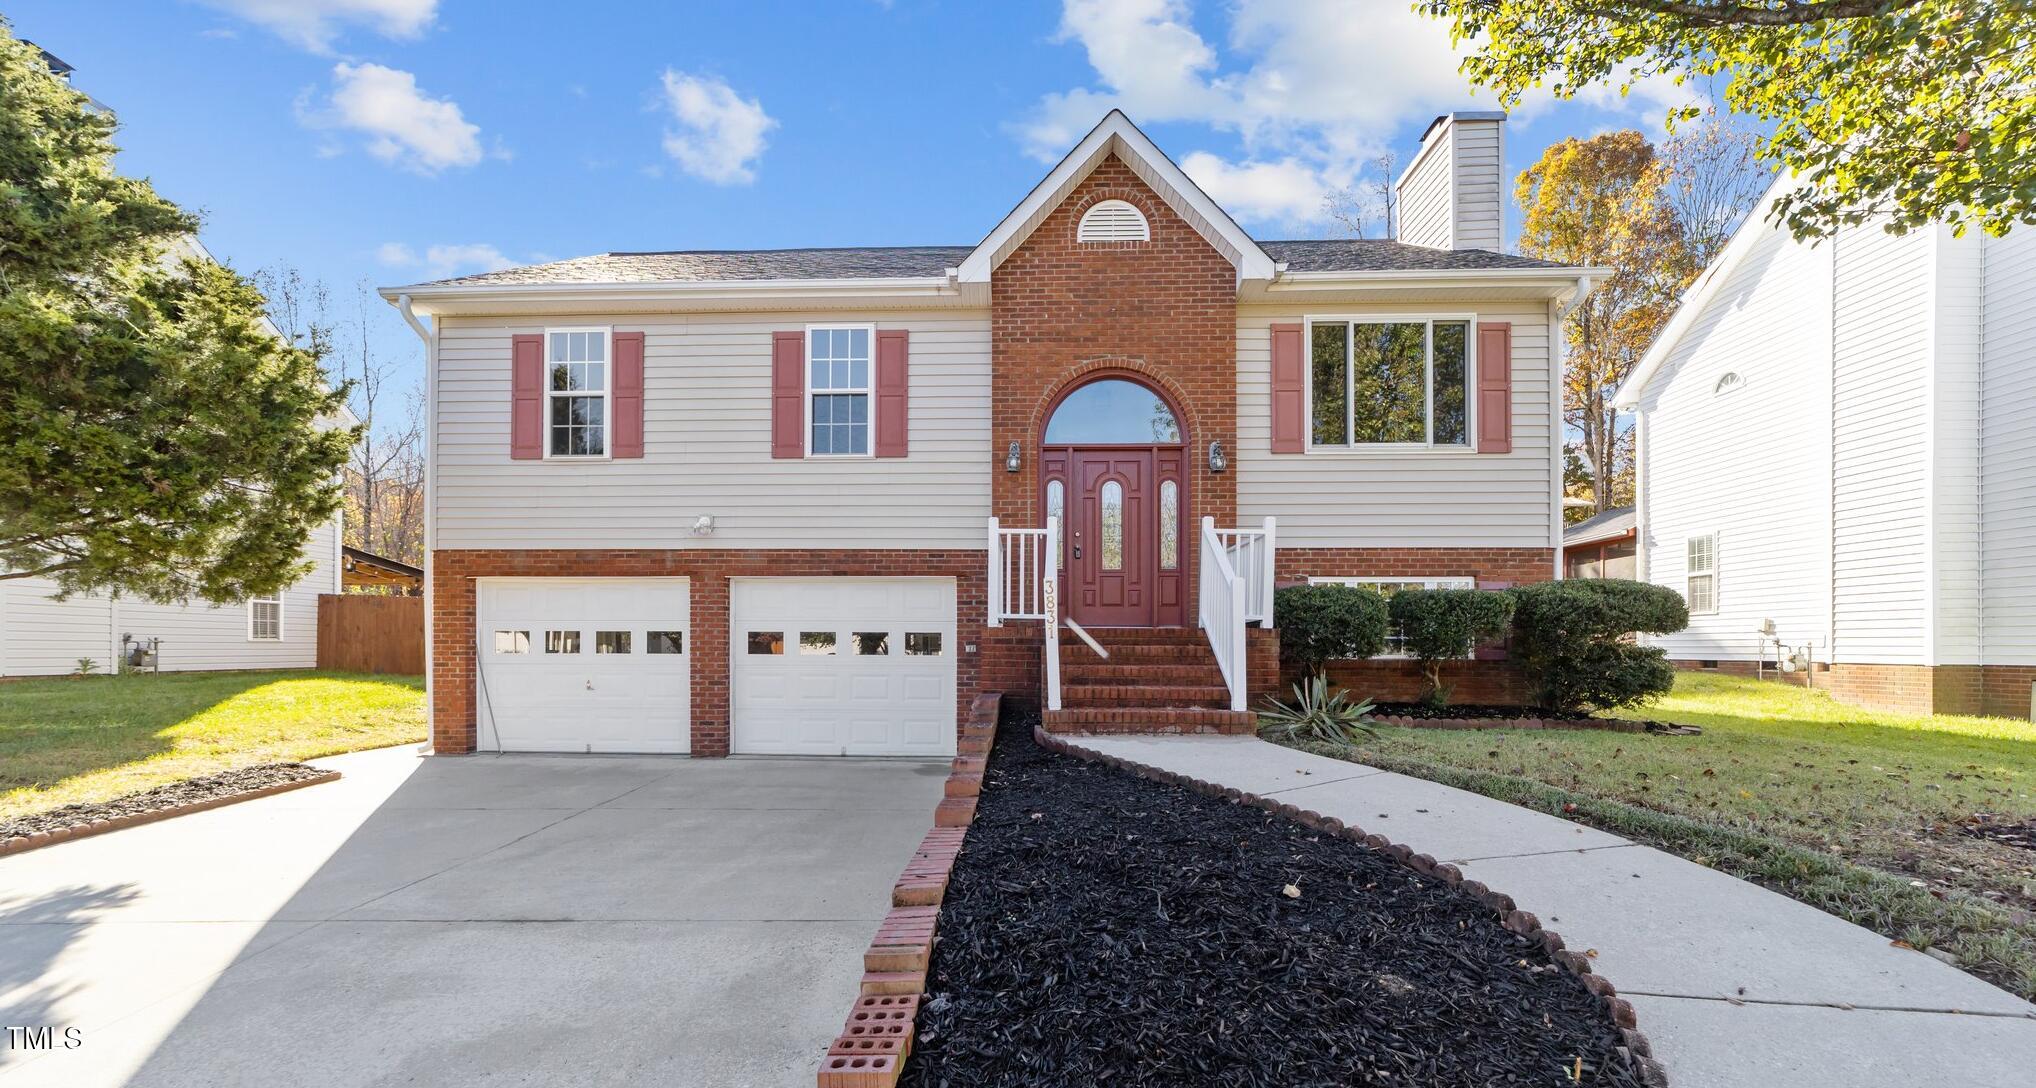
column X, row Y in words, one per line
column 1606, row 725
column 877, row 1037
column 24, row 843
column 1518, row 921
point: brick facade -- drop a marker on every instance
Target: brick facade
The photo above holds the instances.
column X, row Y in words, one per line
column 453, row 720
column 2001, row 690
column 1163, row 312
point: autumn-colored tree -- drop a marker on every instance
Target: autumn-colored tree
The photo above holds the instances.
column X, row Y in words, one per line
column 1600, row 202
column 1920, row 110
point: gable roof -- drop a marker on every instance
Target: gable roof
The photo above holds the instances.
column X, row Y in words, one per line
column 1115, row 134
column 1699, row 295
column 1610, row 525
column 932, row 262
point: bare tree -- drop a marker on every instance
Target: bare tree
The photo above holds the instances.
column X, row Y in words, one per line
column 1714, row 177
column 1369, row 208
column 385, row 475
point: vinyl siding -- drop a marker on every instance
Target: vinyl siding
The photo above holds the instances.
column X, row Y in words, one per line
column 1881, row 542
column 2008, row 433
column 707, row 446
column 1479, row 200
column 43, row 636
column 1399, row 497
column 1425, row 195
column 1751, row 466
column 1955, row 447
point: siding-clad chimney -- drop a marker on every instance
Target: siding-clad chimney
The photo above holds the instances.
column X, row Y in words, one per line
column 1451, row 195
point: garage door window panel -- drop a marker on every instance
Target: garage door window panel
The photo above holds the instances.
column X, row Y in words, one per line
column 763, row 643
column 872, row 643
column 611, row 642
column 664, row 642
column 922, row 644
column 512, row 642
column 817, row 643
column 561, row 642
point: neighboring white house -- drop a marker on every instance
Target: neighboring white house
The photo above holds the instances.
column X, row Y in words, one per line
column 1840, row 438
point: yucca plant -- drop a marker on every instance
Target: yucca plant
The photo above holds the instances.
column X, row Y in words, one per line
column 1317, row 713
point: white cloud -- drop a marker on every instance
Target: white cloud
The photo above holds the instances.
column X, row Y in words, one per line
column 1313, row 89
column 1284, row 191
column 441, row 261
column 315, row 24
column 403, row 125
column 720, row 135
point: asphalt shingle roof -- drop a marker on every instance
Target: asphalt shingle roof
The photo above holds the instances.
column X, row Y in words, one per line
column 902, row 262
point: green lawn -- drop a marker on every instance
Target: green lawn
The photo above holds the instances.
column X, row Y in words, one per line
column 1856, row 811
column 65, row 740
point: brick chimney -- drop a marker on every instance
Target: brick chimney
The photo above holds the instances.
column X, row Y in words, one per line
column 1451, row 196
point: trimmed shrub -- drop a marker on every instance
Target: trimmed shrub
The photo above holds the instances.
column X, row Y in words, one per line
column 1570, row 636
column 1323, row 623
column 1440, row 625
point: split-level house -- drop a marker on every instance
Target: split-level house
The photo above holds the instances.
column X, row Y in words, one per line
column 815, row 500
column 1838, row 441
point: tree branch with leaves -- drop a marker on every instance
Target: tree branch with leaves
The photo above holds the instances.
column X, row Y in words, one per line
column 1918, row 111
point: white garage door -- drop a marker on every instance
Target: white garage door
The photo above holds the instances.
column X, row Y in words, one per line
column 843, row 666
column 584, row 664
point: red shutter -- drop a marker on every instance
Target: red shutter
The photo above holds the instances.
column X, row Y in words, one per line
column 627, row 422
column 788, row 394
column 1495, row 387
column 1289, row 391
column 526, row 397
column 893, row 418
column 1496, row 649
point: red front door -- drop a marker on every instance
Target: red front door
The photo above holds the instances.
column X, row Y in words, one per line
column 1122, row 533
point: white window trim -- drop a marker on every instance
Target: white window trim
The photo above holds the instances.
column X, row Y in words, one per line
column 607, row 394
column 1712, row 573
column 281, row 608
column 869, row 390
column 1470, row 365
column 1454, row 581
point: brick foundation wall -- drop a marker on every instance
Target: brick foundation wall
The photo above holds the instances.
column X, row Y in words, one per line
column 2001, row 690
column 2005, row 689
column 452, row 601
column 1163, row 312
column 1398, row 681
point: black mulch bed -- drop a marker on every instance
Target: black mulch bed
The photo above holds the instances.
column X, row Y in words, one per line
column 189, row 791
column 1100, row 928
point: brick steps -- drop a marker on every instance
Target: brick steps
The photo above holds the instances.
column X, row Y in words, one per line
column 1215, row 696
column 1170, row 719
column 1097, row 671
column 1165, row 653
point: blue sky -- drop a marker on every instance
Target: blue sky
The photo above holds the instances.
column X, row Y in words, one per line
column 392, row 141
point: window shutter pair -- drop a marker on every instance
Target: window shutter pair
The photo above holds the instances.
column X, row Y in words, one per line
column 889, row 417
column 1494, row 389
column 526, row 396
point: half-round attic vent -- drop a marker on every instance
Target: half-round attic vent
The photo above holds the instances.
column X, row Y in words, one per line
column 1729, row 382
column 1113, row 221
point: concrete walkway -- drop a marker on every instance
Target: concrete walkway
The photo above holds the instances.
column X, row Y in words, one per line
column 492, row 920
column 1734, row 985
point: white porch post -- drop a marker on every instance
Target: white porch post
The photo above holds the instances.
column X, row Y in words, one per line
column 1049, row 596
column 993, row 586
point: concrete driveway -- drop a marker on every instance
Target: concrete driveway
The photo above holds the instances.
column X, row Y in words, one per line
column 521, row 920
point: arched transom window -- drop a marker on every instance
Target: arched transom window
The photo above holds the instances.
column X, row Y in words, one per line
column 1112, row 411
column 1113, row 221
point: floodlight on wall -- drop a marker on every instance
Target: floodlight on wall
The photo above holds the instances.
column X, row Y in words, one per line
column 704, row 525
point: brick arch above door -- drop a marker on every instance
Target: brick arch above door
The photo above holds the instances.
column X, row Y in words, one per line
column 1017, row 494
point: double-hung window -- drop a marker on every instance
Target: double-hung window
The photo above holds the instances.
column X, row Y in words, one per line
column 576, row 392
column 1396, row 639
column 1700, row 585
column 265, row 618
column 838, row 390
column 1389, row 382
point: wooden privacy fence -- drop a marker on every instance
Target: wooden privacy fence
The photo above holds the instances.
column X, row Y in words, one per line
column 360, row 633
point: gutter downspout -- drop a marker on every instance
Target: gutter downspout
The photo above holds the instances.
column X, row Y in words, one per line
column 428, row 335
column 1559, row 359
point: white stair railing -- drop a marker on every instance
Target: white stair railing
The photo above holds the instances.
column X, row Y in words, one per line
column 1250, row 552
column 1223, row 599
column 1024, row 584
